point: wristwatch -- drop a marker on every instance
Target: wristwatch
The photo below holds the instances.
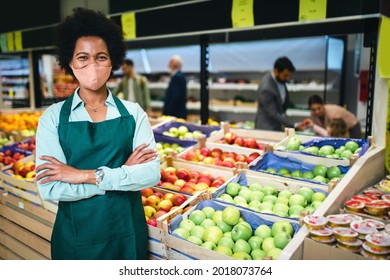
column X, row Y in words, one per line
column 99, row 175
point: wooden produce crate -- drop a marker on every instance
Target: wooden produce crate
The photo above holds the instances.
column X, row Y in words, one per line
column 202, row 143
column 307, row 141
column 244, row 178
column 26, row 189
column 367, row 171
column 156, row 249
column 298, row 161
column 180, row 249
column 261, row 136
column 214, row 171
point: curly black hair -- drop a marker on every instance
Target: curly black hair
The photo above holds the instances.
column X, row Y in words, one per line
column 84, row 22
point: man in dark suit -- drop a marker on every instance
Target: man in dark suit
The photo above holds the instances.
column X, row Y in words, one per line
column 176, row 94
column 273, row 97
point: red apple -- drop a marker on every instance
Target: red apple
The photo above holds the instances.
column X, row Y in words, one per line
column 152, row 222
column 165, row 205
column 159, row 213
column 208, row 160
column 205, row 151
column 201, row 186
column 168, row 195
column 201, row 158
column 8, row 153
column 228, row 164
column 191, row 156
column 187, row 190
column 260, row 146
column 170, row 186
column 207, row 174
column 180, row 183
column 230, row 137
column 178, row 199
column 218, row 162
column 152, row 201
column 240, row 158
column 195, row 175
column 240, row 141
column 171, row 178
column 231, row 155
column 23, row 171
column 183, row 174
column 16, row 156
column 230, row 159
column 251, row 143
column 204, row 179
column 190, row 185
column 147, row 192
column 216, row 153
column 159, row 195
column 170, row 170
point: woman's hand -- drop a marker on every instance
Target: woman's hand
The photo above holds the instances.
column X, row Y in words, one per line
column 141, row 155
column 54, row 170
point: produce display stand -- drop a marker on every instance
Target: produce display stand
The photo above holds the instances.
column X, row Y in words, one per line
column 261, row 136
column 185, row 250
column 203, row 143
column 368, row 170
column 26, row 221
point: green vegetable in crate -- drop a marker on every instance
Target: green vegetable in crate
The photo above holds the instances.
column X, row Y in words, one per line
column 293, row 143
column 164, row 149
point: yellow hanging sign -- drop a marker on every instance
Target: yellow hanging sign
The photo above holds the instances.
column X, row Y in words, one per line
column 128, row 25
column 387, row 161
column 18, row 40
column 312, row 10
column 242, row 13
column 383, row 48
column 10, row 41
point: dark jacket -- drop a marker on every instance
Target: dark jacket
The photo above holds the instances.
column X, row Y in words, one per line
column 270, row 109
column 176, row 97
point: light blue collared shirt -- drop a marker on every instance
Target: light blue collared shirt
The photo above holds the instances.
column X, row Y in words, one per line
column 124, row 178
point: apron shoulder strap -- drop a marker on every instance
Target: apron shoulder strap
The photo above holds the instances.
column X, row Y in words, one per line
column 121, row 108
column 65, row 109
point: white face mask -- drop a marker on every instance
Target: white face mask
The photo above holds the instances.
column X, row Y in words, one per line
column 92, row 76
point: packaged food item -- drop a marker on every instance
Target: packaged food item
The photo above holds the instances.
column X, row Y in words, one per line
column 354, row 246
column 339, row 220
column 377, row 207
column 322, row 235
column 353, row 217
column 378, row 243
column 373, row 256
column 315, row 222
column 343, row 234
column 378, row 224
column 363, row 228
column 355, row 206
column 387, row 228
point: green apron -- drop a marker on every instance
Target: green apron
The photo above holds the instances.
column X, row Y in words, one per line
column 103, row 227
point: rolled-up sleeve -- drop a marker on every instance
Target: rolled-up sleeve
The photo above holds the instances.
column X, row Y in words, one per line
column 139, row 176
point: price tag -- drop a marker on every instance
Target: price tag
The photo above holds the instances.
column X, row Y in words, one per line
column 242, row 13
column 312, row 10
column 10, row 41
column 383, row 48
column 128, row 25
column 3, row 42
column 18, row 40
column 387, row 162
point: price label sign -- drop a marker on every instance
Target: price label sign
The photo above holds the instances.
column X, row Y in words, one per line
column 128, row 25
column 242, row 13
column 18, row 40
column 312, row 10
column 10, row 41
column 383, row 48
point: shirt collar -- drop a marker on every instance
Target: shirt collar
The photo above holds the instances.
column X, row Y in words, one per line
column 77, row 101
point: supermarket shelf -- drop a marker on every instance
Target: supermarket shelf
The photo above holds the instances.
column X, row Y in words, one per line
column 232, row 109
column 248, row 87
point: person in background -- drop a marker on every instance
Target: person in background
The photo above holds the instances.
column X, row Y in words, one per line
column 133, row 87
column 335, row 128
column 273, row 98
column 94, row 151
column 176, row 94
column 322, row 114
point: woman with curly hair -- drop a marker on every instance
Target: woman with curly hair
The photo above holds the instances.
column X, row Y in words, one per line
column 94, row 151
